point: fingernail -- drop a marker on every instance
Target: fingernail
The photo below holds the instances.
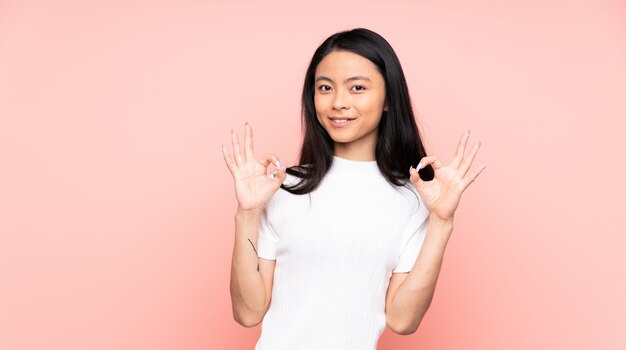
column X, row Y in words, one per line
column 419, row 166
column 278, row 164
column 285, row 166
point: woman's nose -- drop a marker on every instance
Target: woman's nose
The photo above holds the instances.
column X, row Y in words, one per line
column 341, row 100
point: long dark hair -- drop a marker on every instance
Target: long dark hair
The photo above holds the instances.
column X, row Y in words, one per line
column 399, row 143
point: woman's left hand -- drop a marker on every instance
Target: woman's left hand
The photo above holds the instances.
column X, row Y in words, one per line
column 442, row 194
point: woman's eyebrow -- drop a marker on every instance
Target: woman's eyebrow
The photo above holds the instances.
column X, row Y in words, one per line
column 357, row 77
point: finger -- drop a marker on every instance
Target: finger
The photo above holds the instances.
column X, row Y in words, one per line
column 414, row 176
column 236, row 150
column 417, row 180
column 279, row 175
column 268, row 159
column 469, row 159
column 230, row 163
column 460, row 151
column 248, row 147
column 430, row 160
column 471, row 177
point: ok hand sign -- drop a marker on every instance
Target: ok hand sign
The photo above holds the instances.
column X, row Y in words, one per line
column 253, row 186
column 442, row 195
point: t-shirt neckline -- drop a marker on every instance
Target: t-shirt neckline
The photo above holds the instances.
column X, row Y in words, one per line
column 355, row 168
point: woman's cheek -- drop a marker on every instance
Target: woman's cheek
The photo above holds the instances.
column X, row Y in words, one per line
column 366, row 104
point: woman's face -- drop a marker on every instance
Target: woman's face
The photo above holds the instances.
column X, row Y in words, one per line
column 348, row 85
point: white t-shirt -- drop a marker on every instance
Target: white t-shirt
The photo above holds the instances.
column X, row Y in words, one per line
column 335, row 251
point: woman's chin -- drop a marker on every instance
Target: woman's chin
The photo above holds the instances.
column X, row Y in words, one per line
column 341, row 138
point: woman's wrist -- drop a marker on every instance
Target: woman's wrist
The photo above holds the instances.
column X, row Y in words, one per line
column 248, row 212
column 436, row 220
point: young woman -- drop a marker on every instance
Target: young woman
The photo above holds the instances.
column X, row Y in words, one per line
column 363, row 249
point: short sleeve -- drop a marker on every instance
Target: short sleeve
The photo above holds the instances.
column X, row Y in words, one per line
column 267, row 237
column 415, row 230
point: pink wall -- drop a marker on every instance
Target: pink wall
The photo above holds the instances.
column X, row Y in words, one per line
column 117, row 210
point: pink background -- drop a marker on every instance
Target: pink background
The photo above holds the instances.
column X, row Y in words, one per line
column 117, row 210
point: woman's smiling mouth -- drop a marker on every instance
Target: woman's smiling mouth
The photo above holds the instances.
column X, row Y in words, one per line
column 341, row 122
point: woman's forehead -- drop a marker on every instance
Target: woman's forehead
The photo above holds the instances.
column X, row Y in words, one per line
column 345, row 66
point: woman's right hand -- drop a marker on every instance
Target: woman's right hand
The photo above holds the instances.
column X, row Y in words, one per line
column 253, row 186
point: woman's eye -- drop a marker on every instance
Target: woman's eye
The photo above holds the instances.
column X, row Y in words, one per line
column 357, row 88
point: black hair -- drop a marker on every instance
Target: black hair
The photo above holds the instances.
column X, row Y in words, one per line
column 399, row 143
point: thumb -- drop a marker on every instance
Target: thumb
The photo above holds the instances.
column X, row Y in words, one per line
column 279, row 175
column 414, row 176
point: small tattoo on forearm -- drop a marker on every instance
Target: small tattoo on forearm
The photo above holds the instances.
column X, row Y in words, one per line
column 257, row 266
column 252, row 245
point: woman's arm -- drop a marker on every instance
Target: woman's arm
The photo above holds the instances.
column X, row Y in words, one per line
column 408, row 301
column 441, row 194
column 250, row 279
column 250, row 283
